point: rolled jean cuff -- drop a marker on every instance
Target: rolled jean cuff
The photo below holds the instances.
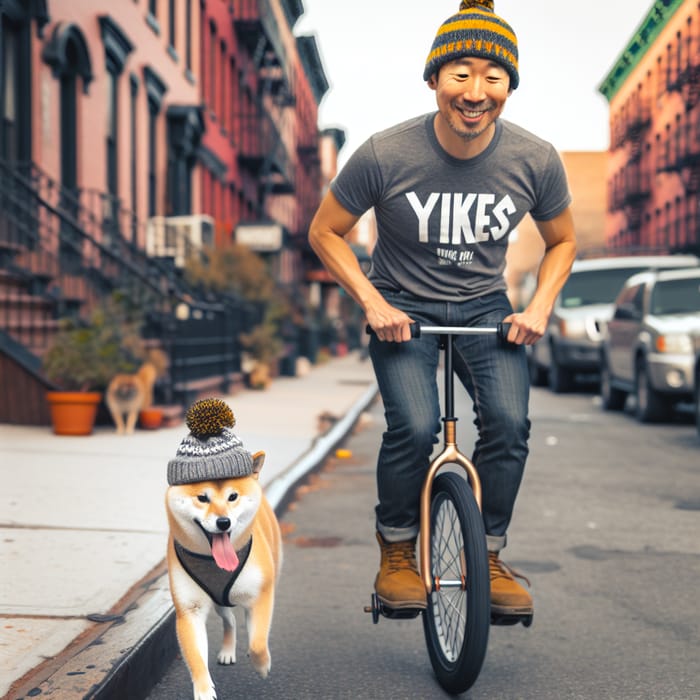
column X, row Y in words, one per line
column 397, row 534
column 495, row 543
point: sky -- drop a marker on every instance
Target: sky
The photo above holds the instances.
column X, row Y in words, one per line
column 374, row 51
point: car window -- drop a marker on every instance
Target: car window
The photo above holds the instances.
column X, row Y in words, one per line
column 595, row 286
column 676, row 297
column 638, row 300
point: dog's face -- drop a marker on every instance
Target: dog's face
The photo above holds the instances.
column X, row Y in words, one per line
column 206, row 517
column 125, row 387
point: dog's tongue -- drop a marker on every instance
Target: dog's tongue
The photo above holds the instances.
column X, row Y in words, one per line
column 223, row 552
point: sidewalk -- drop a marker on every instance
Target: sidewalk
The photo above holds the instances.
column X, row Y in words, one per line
column 83, row 529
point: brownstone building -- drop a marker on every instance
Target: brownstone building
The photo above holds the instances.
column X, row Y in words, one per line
column 132, row 133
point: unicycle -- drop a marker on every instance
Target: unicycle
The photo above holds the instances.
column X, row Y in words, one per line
column 452, row 547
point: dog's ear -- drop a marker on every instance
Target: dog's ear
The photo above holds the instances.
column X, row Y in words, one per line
column 258, row 461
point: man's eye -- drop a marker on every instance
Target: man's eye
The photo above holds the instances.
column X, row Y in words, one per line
column 203, row 498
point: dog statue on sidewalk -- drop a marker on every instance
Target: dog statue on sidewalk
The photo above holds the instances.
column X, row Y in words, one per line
column 127, row 394
column 225, row 546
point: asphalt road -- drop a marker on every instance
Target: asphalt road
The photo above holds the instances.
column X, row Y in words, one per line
column 606, row 527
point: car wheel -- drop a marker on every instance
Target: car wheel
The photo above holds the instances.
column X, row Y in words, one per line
column 613, row 399
column 538, row 375
column 651, row 405
column 697, row 402
column 561, row 379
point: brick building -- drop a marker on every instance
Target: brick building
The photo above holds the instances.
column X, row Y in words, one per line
column 585, row 171
column 133, row 132
column 653, row 178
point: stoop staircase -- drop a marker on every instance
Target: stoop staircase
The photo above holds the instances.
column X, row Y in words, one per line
column 61, row 253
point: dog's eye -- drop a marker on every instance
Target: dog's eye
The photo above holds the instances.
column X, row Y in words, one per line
column 203, row 498
column 233, row 497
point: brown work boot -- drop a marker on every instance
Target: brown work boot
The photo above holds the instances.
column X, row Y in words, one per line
column 398, row 583
column 508, row 597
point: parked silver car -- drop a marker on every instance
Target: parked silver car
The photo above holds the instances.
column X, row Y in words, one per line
column 647, row 349
column 571, row 343
column 696, row 379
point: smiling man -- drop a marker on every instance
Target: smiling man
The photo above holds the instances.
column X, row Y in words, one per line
column 447, row 188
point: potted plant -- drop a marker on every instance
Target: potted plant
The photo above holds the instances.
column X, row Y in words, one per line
column 262, row 347
column 81, row 360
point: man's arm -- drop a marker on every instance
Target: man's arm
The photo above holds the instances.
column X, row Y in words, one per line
column 326, row 235
column 560, row 250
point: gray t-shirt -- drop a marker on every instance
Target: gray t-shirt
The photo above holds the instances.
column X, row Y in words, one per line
column 443, row 223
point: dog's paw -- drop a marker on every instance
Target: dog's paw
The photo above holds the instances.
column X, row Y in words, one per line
column 261, row 662
column 205, row 693
column 226, row 657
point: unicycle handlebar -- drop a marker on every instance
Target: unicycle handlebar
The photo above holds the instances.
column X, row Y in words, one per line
column 417, row 329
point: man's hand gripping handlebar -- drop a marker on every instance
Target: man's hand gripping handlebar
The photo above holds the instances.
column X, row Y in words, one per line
column 500, row 329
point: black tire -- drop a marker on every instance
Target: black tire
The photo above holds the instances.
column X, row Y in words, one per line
column 651, row 406
column 538, row 375
column 456, row 621
column 697, row 401
column 613, row 399
column 561, row 379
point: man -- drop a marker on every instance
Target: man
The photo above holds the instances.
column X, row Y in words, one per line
column 447, row 188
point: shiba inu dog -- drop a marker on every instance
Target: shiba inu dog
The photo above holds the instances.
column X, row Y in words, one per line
column 224, row 547
column 127, row 394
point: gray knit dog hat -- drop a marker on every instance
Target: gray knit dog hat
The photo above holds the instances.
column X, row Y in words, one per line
column 211, row 450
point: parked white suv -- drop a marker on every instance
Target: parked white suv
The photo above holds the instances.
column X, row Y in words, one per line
column 648, row 349
column 571, row 343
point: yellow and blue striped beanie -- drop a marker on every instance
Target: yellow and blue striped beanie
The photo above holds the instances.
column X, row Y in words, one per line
column 475, row 31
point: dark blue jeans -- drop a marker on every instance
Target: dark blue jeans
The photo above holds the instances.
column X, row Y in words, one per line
column 496, row 377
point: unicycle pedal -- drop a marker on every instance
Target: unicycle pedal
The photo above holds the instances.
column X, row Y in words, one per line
column 502, row 619
column 378, row 608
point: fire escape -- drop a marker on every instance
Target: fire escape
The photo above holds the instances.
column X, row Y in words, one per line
column 263, row 153
column 632, row 187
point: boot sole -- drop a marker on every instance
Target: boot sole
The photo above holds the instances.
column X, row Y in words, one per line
column 502, row 615
column 402, row 605
column 512, row 610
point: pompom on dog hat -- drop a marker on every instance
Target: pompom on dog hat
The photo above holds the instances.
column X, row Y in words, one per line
column 475, row 31
column 211, row 450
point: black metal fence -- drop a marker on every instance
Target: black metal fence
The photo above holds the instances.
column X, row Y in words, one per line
column 63, row 252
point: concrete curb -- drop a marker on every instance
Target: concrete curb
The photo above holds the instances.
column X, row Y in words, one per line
column 114, row 666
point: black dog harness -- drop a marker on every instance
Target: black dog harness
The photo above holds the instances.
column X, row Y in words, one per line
column 202, row 568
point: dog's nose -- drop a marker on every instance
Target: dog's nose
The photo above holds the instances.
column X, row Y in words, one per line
column 223, row 523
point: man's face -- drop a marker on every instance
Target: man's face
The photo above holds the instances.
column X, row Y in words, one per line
column 470, row 93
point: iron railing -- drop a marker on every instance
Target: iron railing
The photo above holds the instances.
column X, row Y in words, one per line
column 62, row 252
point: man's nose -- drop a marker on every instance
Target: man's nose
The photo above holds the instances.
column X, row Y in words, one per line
column 474, row 90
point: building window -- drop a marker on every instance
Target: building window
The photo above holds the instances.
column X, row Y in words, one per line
column 171, row 23
column 117, row 48
column 223, row 102
column 133, row 111
column 112, row 134
column 212, row 66
column 155, row 89
column 152, row 160
column 188, row 35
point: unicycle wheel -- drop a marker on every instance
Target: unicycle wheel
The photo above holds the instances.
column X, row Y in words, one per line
column 456, row 621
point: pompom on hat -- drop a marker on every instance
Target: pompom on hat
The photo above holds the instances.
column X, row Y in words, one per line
column 475, row 31
column 211, row 450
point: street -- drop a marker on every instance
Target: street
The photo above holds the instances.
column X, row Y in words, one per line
column 606, row 527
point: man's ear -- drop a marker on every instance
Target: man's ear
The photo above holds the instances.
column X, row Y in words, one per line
column 432, row 81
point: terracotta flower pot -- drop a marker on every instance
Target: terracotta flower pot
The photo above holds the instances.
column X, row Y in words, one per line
column 150, row 418
column 73, row 412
